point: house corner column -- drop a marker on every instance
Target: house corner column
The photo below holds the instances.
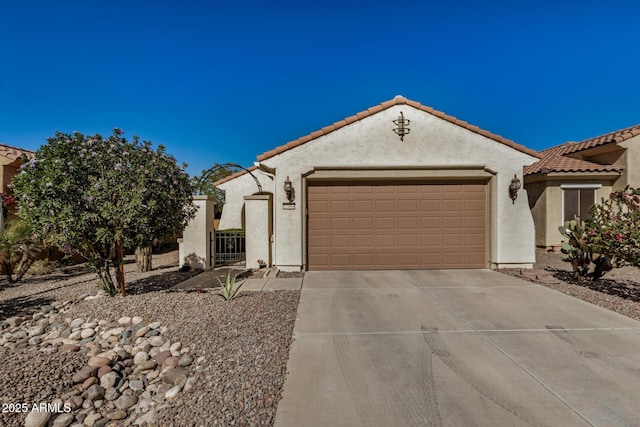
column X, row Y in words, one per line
column 196, row 245
column 258, row 229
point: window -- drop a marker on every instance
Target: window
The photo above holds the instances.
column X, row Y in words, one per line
column 577, row 202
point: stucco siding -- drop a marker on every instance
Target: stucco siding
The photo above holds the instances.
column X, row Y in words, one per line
column 433, row 142
column 235, row 190
column 546, row 202
column 630, row 161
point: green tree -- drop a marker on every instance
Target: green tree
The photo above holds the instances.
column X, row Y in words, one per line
column 94, row 196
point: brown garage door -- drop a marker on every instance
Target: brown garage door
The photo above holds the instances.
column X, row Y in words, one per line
column 396, row 226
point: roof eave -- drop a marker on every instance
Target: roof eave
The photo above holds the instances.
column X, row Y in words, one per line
column 398, row 100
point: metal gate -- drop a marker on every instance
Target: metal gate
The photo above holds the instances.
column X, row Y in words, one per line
column 229, row 247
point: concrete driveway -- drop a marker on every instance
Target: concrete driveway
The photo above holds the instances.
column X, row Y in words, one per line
column 456, row 348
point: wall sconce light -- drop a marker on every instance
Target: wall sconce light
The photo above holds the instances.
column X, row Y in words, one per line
column 513, row 188
column 402, row 128
column 288, row 189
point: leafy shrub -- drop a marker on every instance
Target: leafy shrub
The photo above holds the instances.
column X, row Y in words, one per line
column 614, row 227
column 19, row 247
column 609, row 239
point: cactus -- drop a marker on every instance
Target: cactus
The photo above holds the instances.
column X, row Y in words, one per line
column 576, row 248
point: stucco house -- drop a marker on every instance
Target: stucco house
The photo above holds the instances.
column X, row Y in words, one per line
column 573, row 176
column 397, row 186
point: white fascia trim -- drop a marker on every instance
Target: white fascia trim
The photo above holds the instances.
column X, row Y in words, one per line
column 586, row 186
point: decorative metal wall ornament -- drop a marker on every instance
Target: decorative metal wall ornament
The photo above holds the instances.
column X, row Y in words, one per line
column 402, row 128
column 513, row 188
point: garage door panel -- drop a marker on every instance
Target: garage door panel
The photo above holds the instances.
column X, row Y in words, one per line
column 454, row 240
column 410, row 206
column 452, row 205
column 363, row 260
column 386, row 223
column 476, row 222
column 341, row 241
column 396, row 226
column 474, row 239
column 408, row 260
column 319, row 206
column 408, row 240
column 363, row 206
column 434, row 258
column 428, row 205
column 387, row 259
column 387, row 206
column 319, row 241
column 431, row 240
column 431, row 223
column 408, row 223
column 341, row 223
column 388, row 240
column 338, row 206
column 365, row 241
column 452, row 223
column 474, row 205
column 316, row 224
column 363, row 223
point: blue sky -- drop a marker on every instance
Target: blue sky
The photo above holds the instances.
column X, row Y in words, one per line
column 226, row 81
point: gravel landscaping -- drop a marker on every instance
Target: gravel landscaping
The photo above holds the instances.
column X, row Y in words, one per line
column 618, row 290
column 233, row 355
column 184, row 358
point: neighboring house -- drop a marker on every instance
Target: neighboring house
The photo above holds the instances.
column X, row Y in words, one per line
column 10, row 164
column 355, row 195
column 573, row 176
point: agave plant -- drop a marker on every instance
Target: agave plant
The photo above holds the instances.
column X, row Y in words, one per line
column 228, row 289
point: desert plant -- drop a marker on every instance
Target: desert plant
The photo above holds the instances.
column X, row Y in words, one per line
column 19, row 247
column 228, row 289
column 613, row 227
column 576, row 247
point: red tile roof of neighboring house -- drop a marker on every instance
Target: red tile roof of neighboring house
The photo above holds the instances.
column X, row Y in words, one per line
column 555, row 162
column 617, row 136
column 14, row 153
column 398, row 100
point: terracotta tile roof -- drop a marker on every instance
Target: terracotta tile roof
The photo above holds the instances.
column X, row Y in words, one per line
column 234, row 176
column 14, row 153
column 555, row 162
column 398, row 100
column 617, row 136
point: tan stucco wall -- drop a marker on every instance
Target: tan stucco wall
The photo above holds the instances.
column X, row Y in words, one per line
column 545, row 199
column 8, row 172
column 433, row 142
column 630, row 161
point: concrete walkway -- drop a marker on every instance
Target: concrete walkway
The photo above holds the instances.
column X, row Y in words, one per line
column 456, row 348
column 209, row 280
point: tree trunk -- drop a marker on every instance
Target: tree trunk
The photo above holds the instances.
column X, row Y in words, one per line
column 143, row 258
column 120, row 267
column 24, row 266
column 106, row 281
